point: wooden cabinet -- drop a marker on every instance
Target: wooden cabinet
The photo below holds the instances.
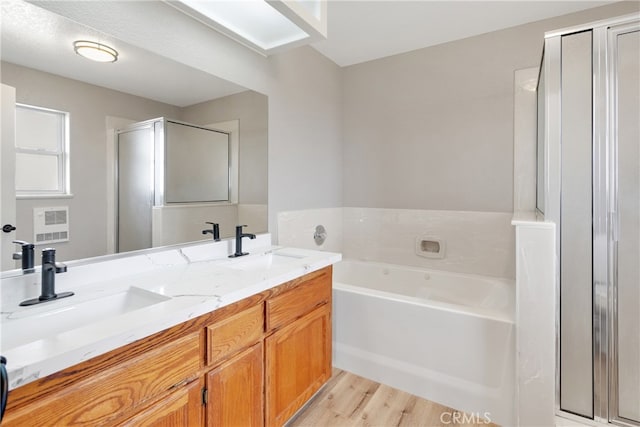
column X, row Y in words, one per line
column 235, row 391
column 298, row 351
column 298, row 363
column 251, row 363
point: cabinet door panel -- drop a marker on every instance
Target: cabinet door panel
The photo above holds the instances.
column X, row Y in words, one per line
column 298, row 363
column 182, row 408
column 236, row 391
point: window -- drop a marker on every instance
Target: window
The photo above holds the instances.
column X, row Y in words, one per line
column 42, row 152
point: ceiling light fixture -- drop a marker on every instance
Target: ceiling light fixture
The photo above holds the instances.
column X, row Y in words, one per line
column 95, row 51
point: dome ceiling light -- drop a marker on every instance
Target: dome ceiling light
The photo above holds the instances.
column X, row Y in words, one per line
column 95, row 51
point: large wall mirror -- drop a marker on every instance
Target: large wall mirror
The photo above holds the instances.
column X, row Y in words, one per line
column 101, row 99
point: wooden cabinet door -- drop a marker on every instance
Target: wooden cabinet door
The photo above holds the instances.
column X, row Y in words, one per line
column 298, row 363
column 236, row 391
column 181, row 408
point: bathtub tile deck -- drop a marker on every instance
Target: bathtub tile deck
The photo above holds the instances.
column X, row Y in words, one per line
column 349, row 400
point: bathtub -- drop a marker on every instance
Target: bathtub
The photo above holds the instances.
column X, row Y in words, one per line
column 446, row 337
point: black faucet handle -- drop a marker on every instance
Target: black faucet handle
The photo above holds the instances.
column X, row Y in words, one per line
column 60, row 267
column 23, row 244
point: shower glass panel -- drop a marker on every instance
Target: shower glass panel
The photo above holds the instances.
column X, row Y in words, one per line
column 576, row 218
column 628, row 235
column 196, row 164
column 135, row 201
column 540, row 182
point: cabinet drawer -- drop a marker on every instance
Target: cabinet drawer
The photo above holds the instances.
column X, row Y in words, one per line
column 230, row 335
column 298, row 301
column 183, row 407
column 117, row 392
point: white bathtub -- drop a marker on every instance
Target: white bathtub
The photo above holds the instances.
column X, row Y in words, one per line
column 443, row 336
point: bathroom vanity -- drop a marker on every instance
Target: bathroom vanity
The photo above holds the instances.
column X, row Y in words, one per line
column 249, row 353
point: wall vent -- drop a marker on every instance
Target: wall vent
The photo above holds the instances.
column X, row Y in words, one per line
column 50, row 225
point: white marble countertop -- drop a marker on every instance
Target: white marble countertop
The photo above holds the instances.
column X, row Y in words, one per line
column 187, row 283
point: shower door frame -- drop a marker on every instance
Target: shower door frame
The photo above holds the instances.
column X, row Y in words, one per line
column 612, row 117
column 604, row 169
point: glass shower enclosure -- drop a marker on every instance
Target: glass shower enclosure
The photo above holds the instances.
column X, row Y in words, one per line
column 589, row 144
column 162, row 162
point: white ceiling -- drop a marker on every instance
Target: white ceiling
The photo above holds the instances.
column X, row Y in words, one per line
column 360, row 31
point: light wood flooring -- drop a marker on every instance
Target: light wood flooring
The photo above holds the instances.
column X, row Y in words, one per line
column 349, row 400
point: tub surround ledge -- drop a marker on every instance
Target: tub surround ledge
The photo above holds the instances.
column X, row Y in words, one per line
column 190, row 281
column 536, row 319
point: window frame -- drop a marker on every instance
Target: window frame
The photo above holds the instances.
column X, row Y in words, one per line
column 61, row 153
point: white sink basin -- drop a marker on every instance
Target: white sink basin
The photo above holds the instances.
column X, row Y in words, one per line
column 263, row 262
column 52, row 318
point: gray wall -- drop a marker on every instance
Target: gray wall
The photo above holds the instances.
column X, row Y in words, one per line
column 88, row 106
column 433, row 128
column 305, row 133
column 464, row 161
column 250, row 108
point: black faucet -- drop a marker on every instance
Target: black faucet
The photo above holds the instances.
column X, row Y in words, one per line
column 215, row 230
column 239, row 236
column 27, row 256
column 49, row 270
